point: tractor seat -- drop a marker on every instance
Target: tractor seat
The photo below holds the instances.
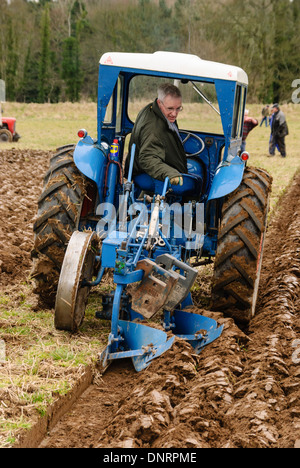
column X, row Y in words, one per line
column 192, row 185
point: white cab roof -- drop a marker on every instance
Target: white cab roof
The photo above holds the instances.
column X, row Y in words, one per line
column 173, row 62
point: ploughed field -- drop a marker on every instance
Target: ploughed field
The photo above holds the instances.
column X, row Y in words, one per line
column 243, row 390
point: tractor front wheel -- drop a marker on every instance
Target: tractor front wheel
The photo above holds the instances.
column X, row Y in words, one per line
column 240, row 247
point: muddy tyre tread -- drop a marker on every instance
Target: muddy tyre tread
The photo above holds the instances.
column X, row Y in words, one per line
column 59, row 208
column 240, row 246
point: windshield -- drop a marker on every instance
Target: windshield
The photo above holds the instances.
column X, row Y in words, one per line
column 200, row 105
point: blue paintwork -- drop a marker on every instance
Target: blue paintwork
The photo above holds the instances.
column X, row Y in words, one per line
column 137, row 336
column 91, row 160
column 139, row 342
column 228, row 177
column 188, row 325
column 192, row 184
column 225, row 93
column 110, row 246
column 106, row 84
column 112, row 174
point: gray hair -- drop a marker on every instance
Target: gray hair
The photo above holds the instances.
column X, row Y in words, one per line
column 168, row 89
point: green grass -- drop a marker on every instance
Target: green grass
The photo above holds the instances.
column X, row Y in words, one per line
column 48, row 126
column 10, row 427
column 41, row 363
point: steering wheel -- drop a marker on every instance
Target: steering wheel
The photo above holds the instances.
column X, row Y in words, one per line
column 199, row 142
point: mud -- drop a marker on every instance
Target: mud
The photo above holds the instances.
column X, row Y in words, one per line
column 21, row 176
column 243, row 390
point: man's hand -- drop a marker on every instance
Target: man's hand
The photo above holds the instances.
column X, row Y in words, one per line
column 177, row 180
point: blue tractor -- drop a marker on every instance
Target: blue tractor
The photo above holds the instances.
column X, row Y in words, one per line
column 149, row 235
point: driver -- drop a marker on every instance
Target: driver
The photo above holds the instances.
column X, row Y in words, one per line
column 159, row 149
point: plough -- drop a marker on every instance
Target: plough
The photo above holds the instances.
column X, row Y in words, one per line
column 160, row 282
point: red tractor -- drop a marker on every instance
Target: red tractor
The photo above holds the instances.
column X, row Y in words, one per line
column 8, row 129
column 7, row 124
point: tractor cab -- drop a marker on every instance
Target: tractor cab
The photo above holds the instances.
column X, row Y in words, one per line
column 127, row 82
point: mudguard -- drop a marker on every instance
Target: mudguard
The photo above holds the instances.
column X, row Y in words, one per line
column 227, row 178
column 91, row 160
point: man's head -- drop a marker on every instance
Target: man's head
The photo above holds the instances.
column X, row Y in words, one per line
column 275, row 108
column 169, row 101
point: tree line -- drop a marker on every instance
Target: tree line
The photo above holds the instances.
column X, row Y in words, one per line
column 50, row 50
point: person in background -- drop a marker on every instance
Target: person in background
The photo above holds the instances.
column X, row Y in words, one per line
column 266, row 115
column 279, row 130
column 249, row 124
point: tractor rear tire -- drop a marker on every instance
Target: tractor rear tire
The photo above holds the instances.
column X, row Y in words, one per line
column 5, row 136
column 240, row 247
column 59, row 210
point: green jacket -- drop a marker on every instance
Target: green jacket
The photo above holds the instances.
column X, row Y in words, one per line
column 159, row 150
